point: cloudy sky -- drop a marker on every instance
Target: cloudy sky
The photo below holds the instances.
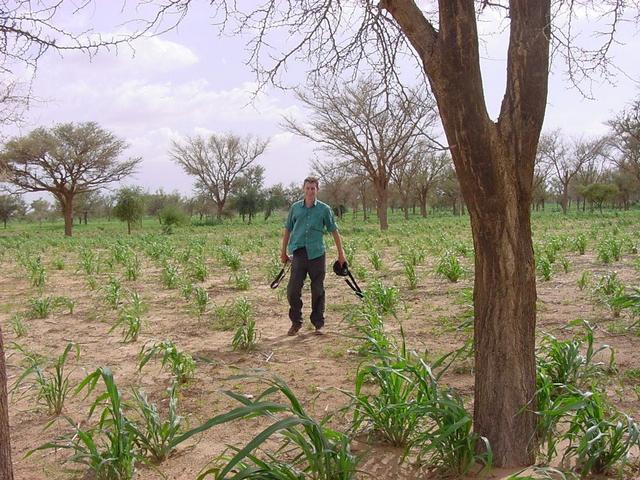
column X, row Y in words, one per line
column 193, row 81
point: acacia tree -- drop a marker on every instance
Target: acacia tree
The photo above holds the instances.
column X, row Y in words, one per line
column 216, row 162
column 625, row 139
column 9, row 206
column 336, row 184
column 567, row 159
column 129, row 205
column 365, row 129
column 429, row 171
column 66, row 160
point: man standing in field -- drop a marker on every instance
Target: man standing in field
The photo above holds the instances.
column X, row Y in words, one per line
column 302, row 237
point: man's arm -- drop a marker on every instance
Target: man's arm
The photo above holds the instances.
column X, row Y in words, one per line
column 338, row 240
column 283, row 250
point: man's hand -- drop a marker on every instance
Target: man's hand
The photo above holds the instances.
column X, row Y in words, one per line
column 284, row 258
column 341, row 258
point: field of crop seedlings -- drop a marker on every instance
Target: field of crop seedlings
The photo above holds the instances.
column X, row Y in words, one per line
column 166, row 356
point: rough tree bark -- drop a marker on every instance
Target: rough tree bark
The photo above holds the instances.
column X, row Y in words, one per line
column 6, row 471
column 494, row 163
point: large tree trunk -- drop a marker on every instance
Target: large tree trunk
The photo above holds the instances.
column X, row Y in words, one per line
column 494, row 162
column 381, row 205
column 564, row 200
column 6, row 471
column 422, row 197
column 66, row 201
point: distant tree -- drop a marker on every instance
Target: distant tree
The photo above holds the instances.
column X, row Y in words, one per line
column 10, row 206
column 248, row 197
column 40, row 210
column 172, row 215
column 566, row 159
column 292, row 193
column 625, row 139
column 275, row 198
column 66, row 160
column 365, row 129
column 430, row 167
column 598, row 193
column 335, row 187
column 217, row 162
column 87, row 203
column 129, row 206
column 156, row 201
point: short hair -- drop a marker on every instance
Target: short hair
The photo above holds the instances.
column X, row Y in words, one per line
column 311, row 180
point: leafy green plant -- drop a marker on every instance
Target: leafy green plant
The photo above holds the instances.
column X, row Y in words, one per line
column 130, row 318
column 198, row 269
column 170, row 276
column 410, row 273
column 17, row 325
column 230, row 257
column 385, row 299
column 565, row 363
column 108, row 449
column 58, row 263
column 449, row 267
column 42, row 307
column 565, row 264
column 543, row 266
column 132, row 267
column 394, row 410
column 609, row 288
column 580, row 243
column 241, row 280
column 181, row 364
column 186, row 290
column 50, row 388
column 609, row 249
column 349, row 248
column 36, row 271
column 375, row 259
column 200, row 299
column 246, row 336
column 584, row 279
column 88, row 261
column 229, row 317
column 113, row 292
column 600, row 437
column 308, row 448
column 153, row 435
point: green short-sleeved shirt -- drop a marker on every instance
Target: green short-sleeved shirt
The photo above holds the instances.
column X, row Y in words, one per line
column 307, row 227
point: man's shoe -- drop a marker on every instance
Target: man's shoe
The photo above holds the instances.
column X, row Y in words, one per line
column 319, row 331
column 295, row 328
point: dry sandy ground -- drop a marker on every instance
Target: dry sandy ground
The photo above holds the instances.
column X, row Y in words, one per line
column 315, row 367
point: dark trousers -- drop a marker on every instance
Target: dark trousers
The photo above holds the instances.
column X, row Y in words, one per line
column 300, row 267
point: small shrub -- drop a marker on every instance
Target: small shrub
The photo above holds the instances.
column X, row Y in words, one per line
column 375, row 259
column 246, row 336
column 51, row 388
column 584, row 280
column 181, row 364
column 170, row 276
column 543, row 266
column 113, row 292
column 130, row 318
column 241, row 280
column 410, row 273
column 154, row 436
column 580, row 243
column 200, row 299
column 17, row 325
column 449, row 267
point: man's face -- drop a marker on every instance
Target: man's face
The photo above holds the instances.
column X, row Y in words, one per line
column 310, row 191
